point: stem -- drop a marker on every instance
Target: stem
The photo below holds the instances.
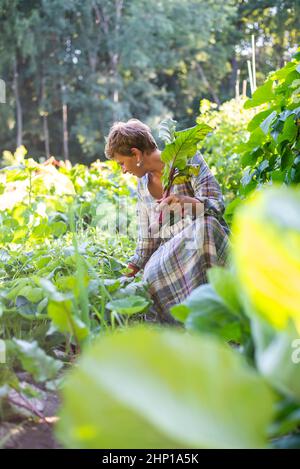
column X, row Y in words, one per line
column 71, row 323
column 100, row 317
column 19, row 111
column 83, row 293
column 30, row 187
column 168, row 189
column 114, row 315
column 28, row 406
column 112, row 320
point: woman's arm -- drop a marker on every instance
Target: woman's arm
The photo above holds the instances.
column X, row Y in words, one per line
column 146, row 244
column 207, row 189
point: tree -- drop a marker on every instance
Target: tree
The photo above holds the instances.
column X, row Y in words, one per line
column 72, row 67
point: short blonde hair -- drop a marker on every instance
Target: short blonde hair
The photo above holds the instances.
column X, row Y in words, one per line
column 125, row 135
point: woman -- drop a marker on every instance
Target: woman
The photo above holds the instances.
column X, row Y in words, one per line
column 173, row 265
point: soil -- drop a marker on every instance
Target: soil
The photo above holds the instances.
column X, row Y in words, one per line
column 34, row 433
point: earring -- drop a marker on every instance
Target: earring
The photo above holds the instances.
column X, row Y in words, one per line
column 139, row 164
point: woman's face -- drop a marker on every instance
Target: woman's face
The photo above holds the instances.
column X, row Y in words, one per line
column 129, row 164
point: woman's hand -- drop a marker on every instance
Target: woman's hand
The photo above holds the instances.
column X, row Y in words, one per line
column 179, row 204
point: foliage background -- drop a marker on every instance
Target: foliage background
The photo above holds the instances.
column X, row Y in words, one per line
column 71, row 68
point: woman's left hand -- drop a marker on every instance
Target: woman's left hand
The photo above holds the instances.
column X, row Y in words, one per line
column 178, row 203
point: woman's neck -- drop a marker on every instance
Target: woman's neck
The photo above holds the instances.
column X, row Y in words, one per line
column 155, row 166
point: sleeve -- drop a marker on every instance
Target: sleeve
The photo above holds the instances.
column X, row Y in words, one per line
column 206, row 188
column 146, row 244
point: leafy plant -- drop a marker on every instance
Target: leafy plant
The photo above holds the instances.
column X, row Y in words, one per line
column 256, row 303
column 150, row 388
column 272, row 152
column 59, row 269
column 180, row 146
column 15, row 397
column 267, row 258
column 267, row 255
column 220, row 147
column 214, row 312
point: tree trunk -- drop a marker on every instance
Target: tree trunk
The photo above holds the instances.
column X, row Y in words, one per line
column 45, row 119
column 207, row 84
column 46, row 136
column 103, row 20
column 115, row 57
column 2, row 92
column 234, row 72
column 19, row 113
column 65, row 123
column 237, row 84
column 244, row 92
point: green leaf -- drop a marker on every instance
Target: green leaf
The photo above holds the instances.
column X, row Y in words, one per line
column 18, row 285
column 181, row 179
column 216, row 323
column 43, row 261
column 249, row 188
column 297, row 55
column 35, row 361
column 4, row 255
column 25, row 307
column 247, row 177
column 283, row 72
column 277, row 357
column 42, row 306
column 20, row 235
column 150, row 388
column 209, row 314
column 266, row 255
column 111, row 284
column 225, row 284
column 285, row 114
column 287, row 442
column 52, row 292
column 177, row 153
column 58, row 228
column 278, row 176
column 276, row 129
column 180, row 312
column 287, row 424
column 166, row 130
column 265, row 125
column 131, row 305
column 41, row 231
column 289, row 131
column 232, row 206
column 262, row 95
column 287, row 159
column 250, row 158
column 33, row 294
column 263, row 166
column 64, row 319
column 256, row 139
column 258, row 119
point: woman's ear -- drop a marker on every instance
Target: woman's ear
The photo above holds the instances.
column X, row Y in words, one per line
column 135, row 152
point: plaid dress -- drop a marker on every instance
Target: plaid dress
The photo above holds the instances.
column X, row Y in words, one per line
column 175, row 258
